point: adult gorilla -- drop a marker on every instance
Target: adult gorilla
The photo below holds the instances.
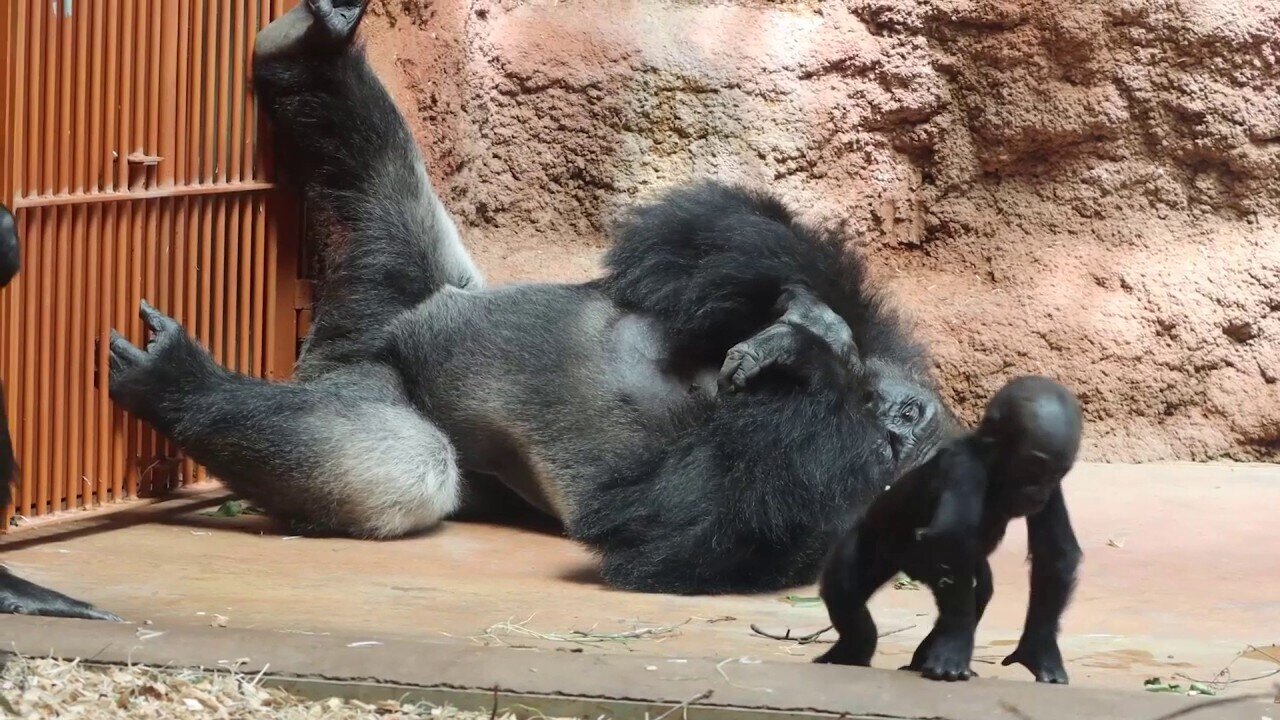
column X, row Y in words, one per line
column 598, row 402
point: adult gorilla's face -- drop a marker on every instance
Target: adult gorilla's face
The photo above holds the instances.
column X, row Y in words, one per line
column 911, row 411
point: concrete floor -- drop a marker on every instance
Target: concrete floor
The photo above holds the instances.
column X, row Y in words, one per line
column 1181, row 575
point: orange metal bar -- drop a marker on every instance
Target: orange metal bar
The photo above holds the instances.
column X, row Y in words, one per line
column 83, row 18
column 66, row 80
column 132, row 153
column 76, row 358
column 32, row 489
column 95, row 163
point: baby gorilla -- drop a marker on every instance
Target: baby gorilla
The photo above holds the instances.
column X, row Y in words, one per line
column 940, row 522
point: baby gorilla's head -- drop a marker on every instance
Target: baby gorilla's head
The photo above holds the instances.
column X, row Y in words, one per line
column 1032, row 430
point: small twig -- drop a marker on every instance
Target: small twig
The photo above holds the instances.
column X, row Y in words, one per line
column 720, row 669
column 814, row 637
column 1218, row 683
column 787, row 636
column 493, row 715
column 685, row 705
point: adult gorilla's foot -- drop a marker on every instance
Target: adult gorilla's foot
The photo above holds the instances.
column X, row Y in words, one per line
column 22, row 597
column 314, row 26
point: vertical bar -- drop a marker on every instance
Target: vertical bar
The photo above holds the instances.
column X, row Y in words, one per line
column 182, row 69
column 156, row 65
column 15, row 166
column 195, row 129
column 75, row 332
column 31, row 280
column 205, row 306
column 235, row 145
column 231, row 311
column 208, row 108
column 66, row 79
column 40, row 420
column 224, row 89
column 153, row 255
column 97, row 444
column 218, row 275
column 56, row 453
column 49, row 120
column 83, row 16
column 115, row 313
column 248, row 207
column 126, row 100
column 112, row 73
column 93, row 174
column 137, row 235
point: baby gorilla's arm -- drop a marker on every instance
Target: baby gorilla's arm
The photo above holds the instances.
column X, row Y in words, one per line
column 1055, row 555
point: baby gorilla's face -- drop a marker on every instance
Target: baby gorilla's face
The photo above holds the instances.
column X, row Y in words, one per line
column 1032, row 427
column 912, row 413
column 1024, row 479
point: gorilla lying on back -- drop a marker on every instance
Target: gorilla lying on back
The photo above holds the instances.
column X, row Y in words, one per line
column 598, row 403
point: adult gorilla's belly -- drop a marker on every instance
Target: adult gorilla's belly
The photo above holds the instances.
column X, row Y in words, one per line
column 548, row 387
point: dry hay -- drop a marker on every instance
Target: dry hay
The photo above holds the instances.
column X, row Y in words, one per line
column 53, row 688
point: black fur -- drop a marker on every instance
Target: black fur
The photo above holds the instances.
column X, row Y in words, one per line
column 939, row 524
column 597, row 403
column 711, row 259
column 18, row 596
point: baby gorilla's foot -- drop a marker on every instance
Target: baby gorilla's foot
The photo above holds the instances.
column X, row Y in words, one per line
column 776, row 345
column 314, row 26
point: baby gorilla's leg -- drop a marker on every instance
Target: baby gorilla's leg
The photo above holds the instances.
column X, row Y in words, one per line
column 854, row 573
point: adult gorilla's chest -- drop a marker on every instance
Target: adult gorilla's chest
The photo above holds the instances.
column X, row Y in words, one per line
column 548, row 387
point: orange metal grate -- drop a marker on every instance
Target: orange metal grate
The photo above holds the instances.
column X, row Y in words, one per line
column 129, row 152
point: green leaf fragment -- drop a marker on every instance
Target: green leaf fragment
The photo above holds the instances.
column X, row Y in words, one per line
column 233, row 508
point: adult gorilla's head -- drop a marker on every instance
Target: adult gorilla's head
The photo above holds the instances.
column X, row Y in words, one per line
column 911, row 410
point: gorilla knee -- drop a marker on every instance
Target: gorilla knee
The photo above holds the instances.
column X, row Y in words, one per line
column 392, row 472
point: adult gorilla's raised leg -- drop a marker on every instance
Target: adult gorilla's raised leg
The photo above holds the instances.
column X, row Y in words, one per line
column 388, row 243
column 343, row 454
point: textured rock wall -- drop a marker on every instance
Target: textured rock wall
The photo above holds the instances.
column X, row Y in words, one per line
column 1086, row 189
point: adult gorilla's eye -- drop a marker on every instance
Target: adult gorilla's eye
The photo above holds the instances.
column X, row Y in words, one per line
column 911, row 412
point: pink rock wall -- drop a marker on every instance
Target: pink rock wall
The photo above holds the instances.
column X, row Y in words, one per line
column 1087, row 190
